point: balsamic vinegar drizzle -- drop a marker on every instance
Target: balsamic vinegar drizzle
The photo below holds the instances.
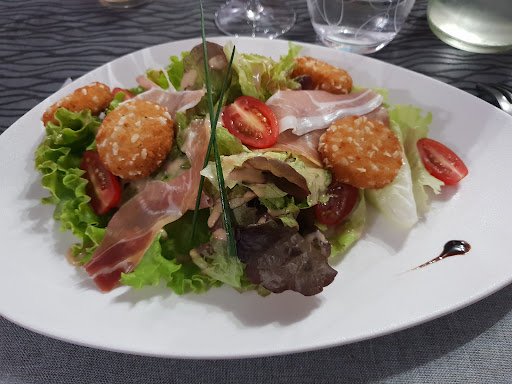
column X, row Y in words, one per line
column 451, row 248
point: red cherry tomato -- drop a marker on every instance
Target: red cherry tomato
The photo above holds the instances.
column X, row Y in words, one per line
column 129, row 95
column 441, row 162
column 103, row 187
column 252, row 121
column 339, row 206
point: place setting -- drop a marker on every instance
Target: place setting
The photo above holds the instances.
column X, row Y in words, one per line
column 286, row 180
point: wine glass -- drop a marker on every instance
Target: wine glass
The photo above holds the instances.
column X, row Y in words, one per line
column 263, row 18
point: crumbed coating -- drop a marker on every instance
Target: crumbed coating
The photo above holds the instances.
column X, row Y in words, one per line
column 325, row 77
column 135, row 138
column 361, row 152
column 95, row 96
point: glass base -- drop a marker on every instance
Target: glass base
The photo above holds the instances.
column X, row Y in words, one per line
column 465, row 45
column 266, row 19
column 354, row 48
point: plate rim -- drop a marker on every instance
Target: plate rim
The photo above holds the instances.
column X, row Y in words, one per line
column 475, row 298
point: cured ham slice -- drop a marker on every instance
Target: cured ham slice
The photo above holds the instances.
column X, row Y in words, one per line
column 143, row 81
column 134, row 227
column 307, row 144
column 172, row 100
column 306, row 111
column 379, row 114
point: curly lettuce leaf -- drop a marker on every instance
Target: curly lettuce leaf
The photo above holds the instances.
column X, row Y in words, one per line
column 58, row 158
column 152, row 268
column 74, row 131
column 259, row 76
column 167, row 259
column 214, row 260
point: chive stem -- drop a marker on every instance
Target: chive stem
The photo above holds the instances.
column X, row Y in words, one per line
column 226, row 210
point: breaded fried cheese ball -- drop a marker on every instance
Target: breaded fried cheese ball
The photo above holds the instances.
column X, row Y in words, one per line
column 361, row 152
column 135, row 138
column 325, row 77
column 95, row 96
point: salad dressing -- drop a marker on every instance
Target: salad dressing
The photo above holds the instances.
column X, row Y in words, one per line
column 451, row 248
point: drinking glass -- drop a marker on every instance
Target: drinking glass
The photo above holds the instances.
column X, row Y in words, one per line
column 263, row 18
column 360, row 26
column 473, row 25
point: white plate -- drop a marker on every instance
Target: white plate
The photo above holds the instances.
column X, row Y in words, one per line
column 374, row 293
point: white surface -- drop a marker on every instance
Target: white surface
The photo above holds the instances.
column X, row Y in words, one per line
column 373, row 294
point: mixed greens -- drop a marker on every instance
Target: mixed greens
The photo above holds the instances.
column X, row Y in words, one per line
column 279, row 243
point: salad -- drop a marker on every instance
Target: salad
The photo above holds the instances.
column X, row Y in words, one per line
column 302, row 152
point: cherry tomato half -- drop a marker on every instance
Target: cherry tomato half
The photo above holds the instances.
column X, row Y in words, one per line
column 129, row 95
column 252, row 121
column 103, row 187
column 441, row 162
column 339, row 206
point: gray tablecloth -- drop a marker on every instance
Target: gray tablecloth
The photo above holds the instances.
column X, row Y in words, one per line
column 42, row 43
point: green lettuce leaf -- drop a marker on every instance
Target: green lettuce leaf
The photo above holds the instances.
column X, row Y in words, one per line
column 343, row 236
column 58, row 158
column 118, row 99
column 267, row 191
column 396, row 201
column 152, row 268
column 259, row 76
column 284, row 208
column 168, row 260
column 227, row 143
column 216, row 262
column 173, row 73
column 318, row 179
column 231, row 162
column 413, row 127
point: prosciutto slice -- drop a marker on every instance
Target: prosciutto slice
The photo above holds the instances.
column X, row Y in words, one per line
column 134, row 227
column 306, row 111
column 307, row 144
column 173, row 101
column 143, row 81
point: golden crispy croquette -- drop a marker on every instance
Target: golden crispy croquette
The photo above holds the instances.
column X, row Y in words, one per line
column 95, row 96
column 325, row 77
column 135, row 138
column 361, row 152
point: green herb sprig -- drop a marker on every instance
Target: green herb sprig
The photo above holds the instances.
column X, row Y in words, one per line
column 226, row 210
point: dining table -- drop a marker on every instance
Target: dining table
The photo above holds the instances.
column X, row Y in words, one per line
column 45, row 42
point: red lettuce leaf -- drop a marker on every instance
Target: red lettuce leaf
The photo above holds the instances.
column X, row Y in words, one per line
column 279, row 258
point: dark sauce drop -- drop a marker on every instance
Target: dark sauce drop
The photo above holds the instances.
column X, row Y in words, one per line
column 451, row 248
